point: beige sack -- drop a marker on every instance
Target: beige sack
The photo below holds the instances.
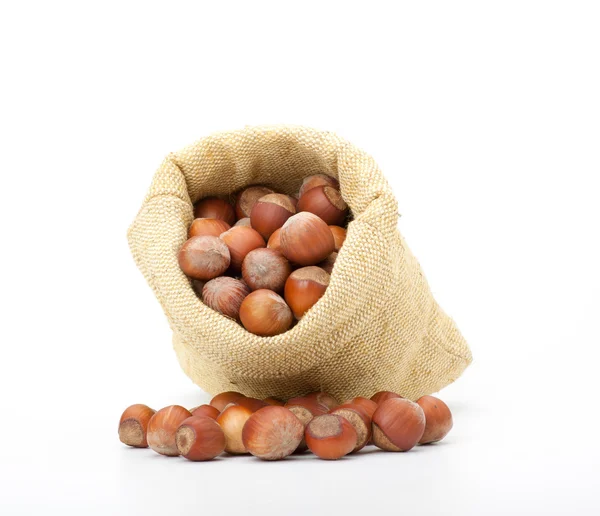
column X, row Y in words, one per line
column 376, row 328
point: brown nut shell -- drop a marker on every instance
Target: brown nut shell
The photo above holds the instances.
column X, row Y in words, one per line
column 305, row 239
column 225, row 295
column 243, row 222
column 207, row 227
column 272, row 433
column 270, row 213
column 266, row 268
column 304, row 288
column 274, row 241
column 360, row 421
column 317, row 180
column 323, row 398
column 326, row 203
column 220, row 401
column 438, row 419
column 330, row 436
column 204, row 257
column 240, row 240
column 328, row 263
column 381, row 396
column 162, row 428
column 214, row 208
column 265, row 313
column 133, row 425
column 247, row 198
column 365, row 403
column 232, row 421
column 339, row 236
column 200, row 438
column 206, row 410
column 398, row 425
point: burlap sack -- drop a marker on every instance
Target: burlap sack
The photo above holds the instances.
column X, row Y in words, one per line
column 376, row 328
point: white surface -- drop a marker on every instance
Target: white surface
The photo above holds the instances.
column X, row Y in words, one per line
column 485, row 119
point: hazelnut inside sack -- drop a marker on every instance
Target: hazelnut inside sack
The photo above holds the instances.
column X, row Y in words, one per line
column 376, row 327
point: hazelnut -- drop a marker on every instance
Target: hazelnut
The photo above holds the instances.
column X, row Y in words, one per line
column 247, row 199
column 328, row 263
column 207, row 227
column 304, row 288
column 274, row 242
column 214, row 208
column 339, row 235
column 232, row 421
column 243, row 222
column 323, row 398
column 381, row 396
column 330, row 436
column 326, row 203
column 270, row 213
column 265, row 313
column 200, row 438
column 225, row 295
column 364, row 403
column 252, row 404
column 272, row 433
column 359, row 420
column 206, row 410
column 274, row 401
column 305, row 409
column 133, row 425
column 220, row 401
column 398, row 425
column 438, row 419
column 266, row 268
column 241, row 240
column 317, row 180
column 204, row 257
column 305, row 239
column 162, row 428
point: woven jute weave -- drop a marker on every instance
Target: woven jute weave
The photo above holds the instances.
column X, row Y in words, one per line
column 376, row 328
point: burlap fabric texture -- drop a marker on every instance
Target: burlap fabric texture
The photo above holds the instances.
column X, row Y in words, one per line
column 376, row 328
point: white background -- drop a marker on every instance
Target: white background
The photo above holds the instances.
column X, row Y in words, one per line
column 485, row 118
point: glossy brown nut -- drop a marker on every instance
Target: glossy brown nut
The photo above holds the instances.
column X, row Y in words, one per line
column 381, row 396
column 241, row 240
column 200, row 438
column 204, row 257
column 162, row 428
column 305, row 239
column 270, row 213
column 243, row 222
column 305, row 409
column 272, row 433
column 274, row 241
column 323, row 398
column 247, row 199
column 225, row 295
column 339, row 236
column 438, row 419
column 133, row 425
column 252, row 404
column 328, row 263
column 274, row 401
column 206, row 410
column 232, row 421
column 365, row 403
column 359, row 420
column 266, row 268
column 265, row 313
column 207, row 227
column 398, row 425
column 214, row 208
column 317, row 180
column 330, row 436
column 304, row 288
column 326, row 203
column 220, row 401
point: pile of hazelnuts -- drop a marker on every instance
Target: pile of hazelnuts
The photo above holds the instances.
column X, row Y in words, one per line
column 271, row 429
column 243, row 257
